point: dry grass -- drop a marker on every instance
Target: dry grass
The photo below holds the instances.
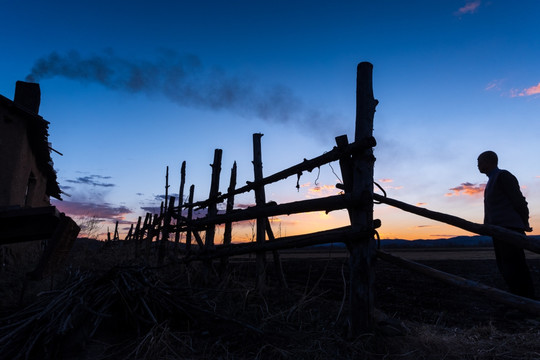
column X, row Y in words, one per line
column 105, row 305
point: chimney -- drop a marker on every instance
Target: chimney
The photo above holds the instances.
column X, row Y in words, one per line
column 28, row 96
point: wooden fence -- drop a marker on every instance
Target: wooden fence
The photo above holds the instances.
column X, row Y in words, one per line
column 356, row 163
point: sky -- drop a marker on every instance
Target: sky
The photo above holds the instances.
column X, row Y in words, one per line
column 131, row 87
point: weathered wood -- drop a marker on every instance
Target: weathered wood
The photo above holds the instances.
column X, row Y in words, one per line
column 307, row 165
column 189, row 218
column 227, row 234
column 214, row 192
column 339, row 235
column 260, row 199
column 140, row 239
column 136, row 236
column 510, row 236
column 180, row 202
column 130, row 233
column 362, row 250
column 498, row 295
column 116, row 234
column 163, row 245
column 198, row 239
column 330, row 203
column 277, row 259
column 166, row 206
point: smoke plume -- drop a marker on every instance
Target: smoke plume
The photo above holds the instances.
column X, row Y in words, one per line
column 184, row 80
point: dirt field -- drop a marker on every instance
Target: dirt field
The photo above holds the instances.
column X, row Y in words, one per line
column 179, row 312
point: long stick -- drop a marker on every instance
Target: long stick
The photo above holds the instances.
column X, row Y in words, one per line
column 307, row 165
column 500, row 296
column 513, row 237
column 330, row 203
column 343, row 234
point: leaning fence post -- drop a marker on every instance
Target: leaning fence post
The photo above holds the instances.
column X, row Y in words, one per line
column 136, row 237
column 277, row 259
column 227, row 234
column 164, row 244
column 362, row 251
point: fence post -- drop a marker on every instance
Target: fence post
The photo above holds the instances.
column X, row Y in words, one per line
column 189, row 218
column 227, row 234
column 180, row 204
column 214, row 192
column 260, row 200
column 362, row 250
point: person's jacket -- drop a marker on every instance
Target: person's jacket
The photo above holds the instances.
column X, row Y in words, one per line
column 504, row 204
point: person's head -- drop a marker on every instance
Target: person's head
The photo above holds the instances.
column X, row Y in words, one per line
column 487, row 161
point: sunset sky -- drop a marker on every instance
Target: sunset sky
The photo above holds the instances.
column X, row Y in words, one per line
column 131, row 87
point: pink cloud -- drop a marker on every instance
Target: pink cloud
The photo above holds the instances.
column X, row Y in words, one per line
column 467, row 189
column 469, row 8
column 386, row 180
column 322, row 190
column 533, row 90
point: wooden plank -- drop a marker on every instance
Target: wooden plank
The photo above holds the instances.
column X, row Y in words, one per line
column 503, row 297
column 307, row 165
column 339, row 235
column 510, row 236
column 330, row 203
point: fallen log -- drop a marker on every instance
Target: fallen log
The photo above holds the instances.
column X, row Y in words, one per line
column 503, row 297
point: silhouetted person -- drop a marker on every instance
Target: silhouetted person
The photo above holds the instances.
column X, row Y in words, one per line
column 505, row 205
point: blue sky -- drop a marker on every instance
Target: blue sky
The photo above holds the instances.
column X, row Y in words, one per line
column 133, row 87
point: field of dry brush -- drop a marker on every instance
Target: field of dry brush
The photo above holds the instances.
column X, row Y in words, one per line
column 106, row 305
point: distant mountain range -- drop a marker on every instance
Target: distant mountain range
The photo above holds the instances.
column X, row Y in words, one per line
column 458, row 241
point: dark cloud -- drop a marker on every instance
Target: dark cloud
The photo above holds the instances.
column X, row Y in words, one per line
column 184, row 80
column 92, row 180
column 151, row 209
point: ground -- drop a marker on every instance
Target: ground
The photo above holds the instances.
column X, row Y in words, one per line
column 191, row 312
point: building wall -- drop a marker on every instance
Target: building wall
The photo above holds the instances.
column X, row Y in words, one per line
column 21, row 182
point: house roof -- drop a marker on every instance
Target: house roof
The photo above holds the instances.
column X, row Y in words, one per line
column 38, row 137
